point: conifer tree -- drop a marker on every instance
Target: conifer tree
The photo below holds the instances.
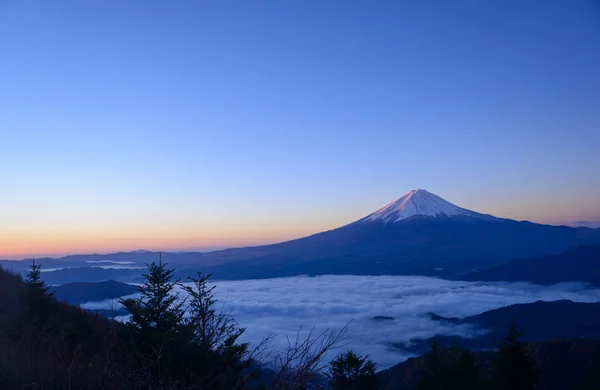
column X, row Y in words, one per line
column 36, row 295
column 155, row 324
column 349, row 371
column 185, row 340
column 514, row 368
column 450, row 368
column 467, row 373
column 210, row 329
column 158, row 310
column 216, row 334
column 433, row 377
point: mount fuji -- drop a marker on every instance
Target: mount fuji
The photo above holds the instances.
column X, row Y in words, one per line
column 420, row 233
column 420, row 203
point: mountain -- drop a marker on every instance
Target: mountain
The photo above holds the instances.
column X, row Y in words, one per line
column 562, row 364
column 420, row 203
column 80, row 292
column 419, row 233
column 576, row 264
column 539, row 321
column 90, row 275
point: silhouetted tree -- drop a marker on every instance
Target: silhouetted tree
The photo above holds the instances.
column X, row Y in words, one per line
column 158, row 310
column 467, row 373
column 433, row 376
column 514, row 368
column 216, row 334
column 185, row 341
column 154, row 328
column 450, row 369
column 349, row 371
column 210, row 329
column 36, row 295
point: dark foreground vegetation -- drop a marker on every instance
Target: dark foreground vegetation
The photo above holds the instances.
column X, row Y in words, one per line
column 549, row 365
column 176, row 343
column 169, row 343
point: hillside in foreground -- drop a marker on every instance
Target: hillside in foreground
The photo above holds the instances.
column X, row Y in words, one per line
column 562, row 365
column 47, row 344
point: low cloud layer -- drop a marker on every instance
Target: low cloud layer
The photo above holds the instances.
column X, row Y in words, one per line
column 280, row 306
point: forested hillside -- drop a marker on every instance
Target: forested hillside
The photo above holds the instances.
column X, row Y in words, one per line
column 48, row 344
column 560, row 365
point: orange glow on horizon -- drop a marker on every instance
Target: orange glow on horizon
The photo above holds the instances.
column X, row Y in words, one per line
column 52, row 242
column 61, row 243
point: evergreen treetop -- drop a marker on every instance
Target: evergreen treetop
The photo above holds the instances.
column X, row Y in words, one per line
column 514, row 368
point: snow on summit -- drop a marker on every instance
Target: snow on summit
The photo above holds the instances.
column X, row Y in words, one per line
column 418, row 202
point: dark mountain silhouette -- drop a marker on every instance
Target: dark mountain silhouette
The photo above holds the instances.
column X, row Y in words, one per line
column 568, row 364
column 420, row 234
column 542, row 321
column 90, row 275
column 443, row 246
column 80, row 292
column 576, row 264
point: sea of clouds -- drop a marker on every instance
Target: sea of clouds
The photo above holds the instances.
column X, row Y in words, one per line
column 279, row 307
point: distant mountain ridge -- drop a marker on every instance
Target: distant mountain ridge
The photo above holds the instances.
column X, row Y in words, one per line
column 576, row 264
column 80, row 292
column 563, row 336
column 540, row 321
column 420, row 234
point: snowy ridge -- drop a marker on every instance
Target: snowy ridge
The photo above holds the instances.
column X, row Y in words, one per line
column 421, row 203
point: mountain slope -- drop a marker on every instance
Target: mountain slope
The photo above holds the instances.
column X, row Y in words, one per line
column 540, row 321
column 419, row 203
column 420, row 233
column 576, row 264
column 566, row 364
column 90, row 275
column 417, row 245
column 80, row 292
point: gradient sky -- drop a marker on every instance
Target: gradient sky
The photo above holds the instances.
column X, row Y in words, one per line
column 176, row 125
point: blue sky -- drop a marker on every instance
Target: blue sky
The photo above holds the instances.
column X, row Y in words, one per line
column 163, row 125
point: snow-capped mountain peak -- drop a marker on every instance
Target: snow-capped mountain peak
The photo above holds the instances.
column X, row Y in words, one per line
column 418, row 203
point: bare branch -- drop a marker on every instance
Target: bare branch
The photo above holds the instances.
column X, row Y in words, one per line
column 303, row 359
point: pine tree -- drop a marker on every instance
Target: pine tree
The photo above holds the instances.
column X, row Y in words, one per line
column 514, row 368
column 215, row 333
column 467, row 373
column 210, row 329
column 433, row 378
column 36, row 295
column 349, row 371
column 158, row 310
column 450, row 368
column 155, row 326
